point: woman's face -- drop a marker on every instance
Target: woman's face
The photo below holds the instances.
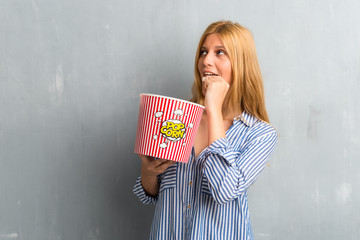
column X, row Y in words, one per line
column 214, row 60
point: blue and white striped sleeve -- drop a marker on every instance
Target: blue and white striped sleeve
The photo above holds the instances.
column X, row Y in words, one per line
column 229, row 172
column 139, row 191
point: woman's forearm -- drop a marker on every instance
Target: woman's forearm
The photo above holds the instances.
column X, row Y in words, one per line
column 216, row 128
column 150, row 185
column 150, row 169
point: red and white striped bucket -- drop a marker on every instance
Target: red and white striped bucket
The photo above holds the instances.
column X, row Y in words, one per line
column 167, row 127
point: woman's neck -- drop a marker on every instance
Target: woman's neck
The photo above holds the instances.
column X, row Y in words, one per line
column 229, row 113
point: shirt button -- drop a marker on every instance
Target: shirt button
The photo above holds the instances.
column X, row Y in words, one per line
column 189, row 206
column 190, row 183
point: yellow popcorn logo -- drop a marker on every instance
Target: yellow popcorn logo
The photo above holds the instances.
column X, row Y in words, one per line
column 173, row 130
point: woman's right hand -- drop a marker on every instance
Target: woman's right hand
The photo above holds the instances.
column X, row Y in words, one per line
column 150, row 169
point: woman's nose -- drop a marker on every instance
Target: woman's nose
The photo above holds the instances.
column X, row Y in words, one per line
column 208, row 60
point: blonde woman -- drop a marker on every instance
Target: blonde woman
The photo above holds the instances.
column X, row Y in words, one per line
column 207, row 197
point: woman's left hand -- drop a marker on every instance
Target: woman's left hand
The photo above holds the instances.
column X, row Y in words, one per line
column 215, row 89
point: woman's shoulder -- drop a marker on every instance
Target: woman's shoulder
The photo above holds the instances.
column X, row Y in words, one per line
column 256, row 126
column 261, row 129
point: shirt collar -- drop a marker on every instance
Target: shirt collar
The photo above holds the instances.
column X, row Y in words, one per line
column 246, row 118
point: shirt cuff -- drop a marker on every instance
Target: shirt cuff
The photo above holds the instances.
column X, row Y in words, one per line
column 139, row 191
column 221, row 147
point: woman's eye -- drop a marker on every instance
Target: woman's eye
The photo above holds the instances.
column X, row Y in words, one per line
column 220, row 52
column 203, row 52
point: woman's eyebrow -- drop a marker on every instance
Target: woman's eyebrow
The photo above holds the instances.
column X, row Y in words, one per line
column 216, row 47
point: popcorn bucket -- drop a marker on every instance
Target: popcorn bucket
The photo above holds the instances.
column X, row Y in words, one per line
column 167, row 127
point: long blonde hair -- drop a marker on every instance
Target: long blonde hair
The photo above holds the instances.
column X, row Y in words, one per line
column 246, row 92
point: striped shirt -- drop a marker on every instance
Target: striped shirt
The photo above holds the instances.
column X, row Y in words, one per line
column 207, row 197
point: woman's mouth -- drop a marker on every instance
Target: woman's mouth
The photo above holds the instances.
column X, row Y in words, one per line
column 207, row 74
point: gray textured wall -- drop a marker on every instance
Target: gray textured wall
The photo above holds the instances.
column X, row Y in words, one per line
column 70, row 75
